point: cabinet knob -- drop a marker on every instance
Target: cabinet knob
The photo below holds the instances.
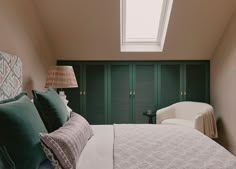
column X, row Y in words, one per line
column 130, row 93
column 80, row 93
column 185, row 93
column 84, row 93
column 181, row 93
column 133, row 92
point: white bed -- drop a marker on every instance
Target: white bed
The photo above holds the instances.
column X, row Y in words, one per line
column 131, row 146
column 152, row 147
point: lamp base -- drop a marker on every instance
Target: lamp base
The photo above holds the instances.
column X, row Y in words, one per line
column 65, row 101
column 63, row 96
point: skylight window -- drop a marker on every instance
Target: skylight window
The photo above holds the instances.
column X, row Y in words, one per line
column 144, row 24
column 142, row 20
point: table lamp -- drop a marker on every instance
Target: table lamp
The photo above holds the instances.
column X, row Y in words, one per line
column 60, row 77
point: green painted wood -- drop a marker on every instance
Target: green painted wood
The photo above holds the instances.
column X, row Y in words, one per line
column 196, row 80
column 132, row 96
column 119, row 78
column 158, row 77
column 207, row 85
column 119, row 93
column 182, row 81
column 109, row 117
column 156, row 84
column 83, row 91
column 144, row 98
column 95, row 94
column 106, row 94
column 169, row 84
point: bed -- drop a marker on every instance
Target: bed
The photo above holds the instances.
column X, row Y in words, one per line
column 152, row 147
column 133, row 146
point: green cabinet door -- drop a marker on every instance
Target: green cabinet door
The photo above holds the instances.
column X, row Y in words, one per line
column 143, row 86
column 94, row 82
column 169, row 84
column 197, row 82
column 119, row 93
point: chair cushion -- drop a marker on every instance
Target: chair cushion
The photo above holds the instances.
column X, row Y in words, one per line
column 20, row 125
column 51, row 108
column 176, row 121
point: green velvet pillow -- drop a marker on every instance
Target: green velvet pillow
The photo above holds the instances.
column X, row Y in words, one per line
column 20, row 125
column 52, row 109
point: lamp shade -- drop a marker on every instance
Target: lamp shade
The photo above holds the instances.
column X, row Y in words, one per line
column 61, row 77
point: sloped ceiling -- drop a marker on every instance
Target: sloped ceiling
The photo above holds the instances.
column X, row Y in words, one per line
column 90, row 30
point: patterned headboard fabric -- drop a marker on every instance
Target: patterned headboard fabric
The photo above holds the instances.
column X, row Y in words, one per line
column 11, row 77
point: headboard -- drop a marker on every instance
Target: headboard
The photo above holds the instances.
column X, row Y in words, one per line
column 11, row 77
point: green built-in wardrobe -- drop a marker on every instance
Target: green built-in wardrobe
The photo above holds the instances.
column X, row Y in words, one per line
column 119, row 92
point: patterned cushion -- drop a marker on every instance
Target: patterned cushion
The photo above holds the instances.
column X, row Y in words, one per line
column 64, row 146
column 10, row 75
column 51, row 157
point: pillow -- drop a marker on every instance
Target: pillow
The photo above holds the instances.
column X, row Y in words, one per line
column 67, row 107
column 51, row 108
column 20, row 125
column 64, row 146
column 5, row 160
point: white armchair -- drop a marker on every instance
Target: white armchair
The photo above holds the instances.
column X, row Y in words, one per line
column 196, row 115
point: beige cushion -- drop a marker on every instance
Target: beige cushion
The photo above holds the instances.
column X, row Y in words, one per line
column 182, row 122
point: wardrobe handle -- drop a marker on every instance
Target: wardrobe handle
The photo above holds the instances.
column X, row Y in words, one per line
column 81, row 93
column 130, row 93
column 181, row 93
column 84, row 93
column 185, row 93
column 134, row 93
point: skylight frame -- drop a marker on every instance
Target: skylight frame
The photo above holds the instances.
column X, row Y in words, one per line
column 145, row 46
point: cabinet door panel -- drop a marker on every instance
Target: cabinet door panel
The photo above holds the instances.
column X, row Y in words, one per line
column 169, row 84
column 120, row 99
column 95, row 94
column 144, row 89
column 196, row 83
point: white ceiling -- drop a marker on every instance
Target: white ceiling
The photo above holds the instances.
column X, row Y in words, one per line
column 89, row 29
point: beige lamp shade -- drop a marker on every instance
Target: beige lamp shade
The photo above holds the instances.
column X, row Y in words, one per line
column 61, row 77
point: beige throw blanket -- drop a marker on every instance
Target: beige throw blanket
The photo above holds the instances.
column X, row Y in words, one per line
column 209, row 122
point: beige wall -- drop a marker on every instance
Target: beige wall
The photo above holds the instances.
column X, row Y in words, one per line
column 223, row 86
column 21, row 34
column 90, row 29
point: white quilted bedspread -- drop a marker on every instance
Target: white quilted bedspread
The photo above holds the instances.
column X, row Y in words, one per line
column 167, row 147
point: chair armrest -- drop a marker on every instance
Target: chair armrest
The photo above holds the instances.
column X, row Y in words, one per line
column 198, row 123
column 165, row 113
